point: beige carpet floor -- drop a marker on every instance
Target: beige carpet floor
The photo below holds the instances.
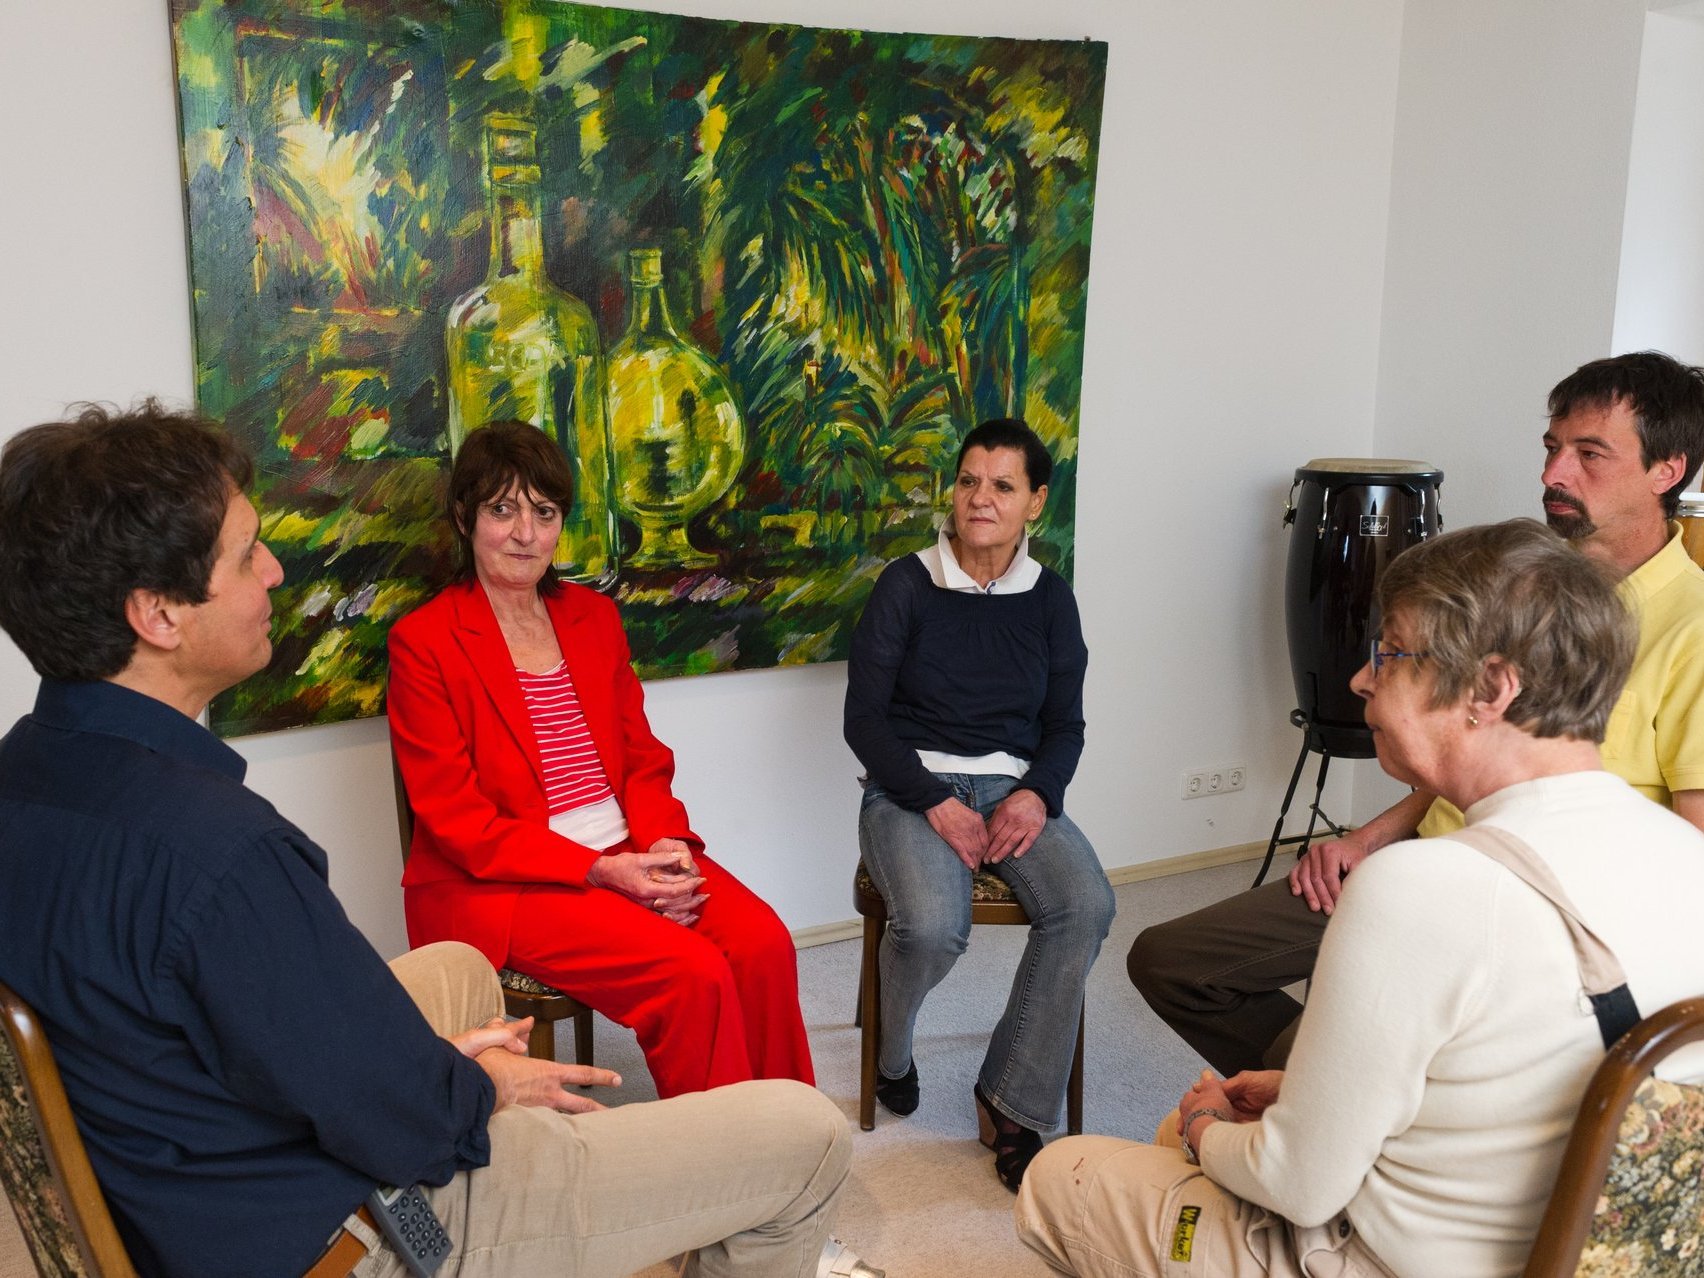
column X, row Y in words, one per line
column 923, row 1201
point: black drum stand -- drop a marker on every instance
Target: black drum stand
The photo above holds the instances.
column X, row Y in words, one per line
column 1313, row 742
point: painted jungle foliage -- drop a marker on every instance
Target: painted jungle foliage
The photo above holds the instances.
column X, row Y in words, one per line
column 755, row 280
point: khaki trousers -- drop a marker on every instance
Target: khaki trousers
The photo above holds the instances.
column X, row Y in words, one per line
column 1097, row 1206
column 743, row 1176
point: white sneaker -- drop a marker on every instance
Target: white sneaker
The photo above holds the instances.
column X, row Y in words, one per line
column 840, row 1261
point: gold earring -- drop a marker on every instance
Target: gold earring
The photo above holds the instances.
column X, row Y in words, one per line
column 1472, row 721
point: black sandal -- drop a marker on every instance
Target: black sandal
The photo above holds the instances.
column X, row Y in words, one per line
column 1014, row 1145
column 898, row 1095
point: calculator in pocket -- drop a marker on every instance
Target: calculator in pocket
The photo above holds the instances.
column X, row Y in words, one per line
column 407, row 1220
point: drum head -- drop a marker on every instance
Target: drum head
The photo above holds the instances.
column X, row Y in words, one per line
column 1368, row 470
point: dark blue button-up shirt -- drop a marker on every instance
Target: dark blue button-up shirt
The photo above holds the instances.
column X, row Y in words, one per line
column 243, row 1066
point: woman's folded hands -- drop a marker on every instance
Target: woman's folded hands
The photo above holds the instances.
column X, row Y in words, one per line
column 663, row 879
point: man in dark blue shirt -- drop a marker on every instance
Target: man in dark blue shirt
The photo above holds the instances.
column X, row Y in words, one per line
column 244, row 1068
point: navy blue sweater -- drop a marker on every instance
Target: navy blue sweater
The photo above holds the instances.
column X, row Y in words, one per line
column 966, row 674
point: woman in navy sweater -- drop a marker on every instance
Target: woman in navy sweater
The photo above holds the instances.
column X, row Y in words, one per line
column 965, row 706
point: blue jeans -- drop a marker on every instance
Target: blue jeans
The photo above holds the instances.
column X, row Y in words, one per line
column 1062, row 888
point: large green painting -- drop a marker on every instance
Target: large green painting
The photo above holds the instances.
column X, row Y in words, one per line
column 756, row 280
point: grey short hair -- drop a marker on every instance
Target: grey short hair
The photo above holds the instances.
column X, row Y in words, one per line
column 1518, row 591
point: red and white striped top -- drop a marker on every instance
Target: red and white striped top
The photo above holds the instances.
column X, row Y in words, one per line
column 573, row 774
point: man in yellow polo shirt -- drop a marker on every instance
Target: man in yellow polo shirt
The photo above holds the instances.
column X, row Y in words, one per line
column 1625, row 438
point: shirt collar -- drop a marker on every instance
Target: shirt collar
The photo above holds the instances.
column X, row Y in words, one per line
column 116, row 711
column 1657, row 571
column 945, row 572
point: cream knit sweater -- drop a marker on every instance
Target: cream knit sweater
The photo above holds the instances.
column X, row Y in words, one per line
column 1446, row 1041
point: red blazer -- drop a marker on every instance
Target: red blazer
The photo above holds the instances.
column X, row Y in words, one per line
column 465, row 746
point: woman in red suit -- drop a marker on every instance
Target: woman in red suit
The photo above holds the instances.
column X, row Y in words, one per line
column 546, row 834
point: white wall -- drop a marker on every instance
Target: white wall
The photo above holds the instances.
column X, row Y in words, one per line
column 1233, row 329
column 1661, row 300
column 1241, row 269
column 1512, row 137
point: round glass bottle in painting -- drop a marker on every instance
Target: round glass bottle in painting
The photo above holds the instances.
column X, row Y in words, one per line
column 677, row 434
column 522, row 349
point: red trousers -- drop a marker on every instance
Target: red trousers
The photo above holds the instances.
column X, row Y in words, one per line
column 714, row 1003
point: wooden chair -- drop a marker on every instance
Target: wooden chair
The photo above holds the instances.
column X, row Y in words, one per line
column 991, row 901
column 43, row 1165
column 46, row 1171
column 522, row 995
column 1630, row 1195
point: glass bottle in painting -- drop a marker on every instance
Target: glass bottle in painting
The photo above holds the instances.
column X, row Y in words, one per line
column 676, row 431
column 522, row 349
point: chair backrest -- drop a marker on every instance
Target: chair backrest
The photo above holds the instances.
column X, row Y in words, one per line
column 43, row 1166
column 1630, row 1195
column 404, row 813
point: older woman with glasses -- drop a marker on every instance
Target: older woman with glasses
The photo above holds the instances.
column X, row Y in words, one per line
column 1446, row 1043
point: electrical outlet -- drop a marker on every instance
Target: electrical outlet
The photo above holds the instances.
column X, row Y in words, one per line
column 1223, row 778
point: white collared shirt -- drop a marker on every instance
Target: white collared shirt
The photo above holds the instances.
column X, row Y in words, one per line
column 1020, row 575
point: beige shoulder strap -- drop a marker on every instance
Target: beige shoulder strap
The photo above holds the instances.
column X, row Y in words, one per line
column 1600, row 970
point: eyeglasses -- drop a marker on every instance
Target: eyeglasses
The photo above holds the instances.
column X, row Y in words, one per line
column 1377, row 657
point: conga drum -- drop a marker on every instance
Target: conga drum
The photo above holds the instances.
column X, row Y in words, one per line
column 1692, row 525
column 1351, row 517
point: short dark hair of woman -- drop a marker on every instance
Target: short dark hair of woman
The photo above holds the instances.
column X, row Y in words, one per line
column 493, row 460
column 1011, row 432
column 101, row 505
column 1518, row 591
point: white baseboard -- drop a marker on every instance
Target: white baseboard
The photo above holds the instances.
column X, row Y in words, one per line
column 849, row 929
column 827, row 933
column 1185, row 863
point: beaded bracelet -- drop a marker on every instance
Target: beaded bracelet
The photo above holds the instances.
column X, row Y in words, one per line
column 1205, row 1112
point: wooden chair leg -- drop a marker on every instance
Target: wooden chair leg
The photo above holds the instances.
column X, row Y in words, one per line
column 583, row 1037
column 1074, row 1088
column 541, row 1042
column 869, row 998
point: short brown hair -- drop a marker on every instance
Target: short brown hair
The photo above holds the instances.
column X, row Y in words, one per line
column 101, row 505
column 1518, row 591
column 494, row 459
column 1667, row 399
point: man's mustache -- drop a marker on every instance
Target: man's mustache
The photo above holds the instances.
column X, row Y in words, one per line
column 1561, row 498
